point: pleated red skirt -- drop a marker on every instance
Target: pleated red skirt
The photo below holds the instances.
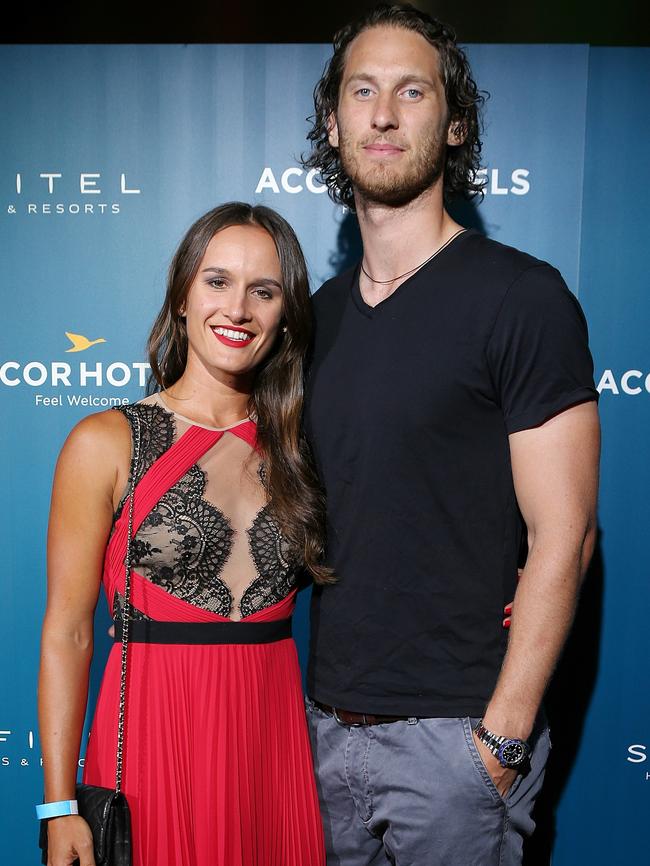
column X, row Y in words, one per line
column 217, row 760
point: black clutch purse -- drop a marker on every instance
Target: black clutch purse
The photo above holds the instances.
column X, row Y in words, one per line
column 108, row 816
column 105, row 809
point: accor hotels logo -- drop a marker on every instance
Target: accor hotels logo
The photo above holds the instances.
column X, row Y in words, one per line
column 629, row 382
column 295, row 180
column 59, row 374
column 81, row 343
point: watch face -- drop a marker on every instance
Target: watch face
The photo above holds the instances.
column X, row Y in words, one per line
column 512, row 753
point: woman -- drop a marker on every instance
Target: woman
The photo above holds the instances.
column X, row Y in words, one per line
column 217, row 766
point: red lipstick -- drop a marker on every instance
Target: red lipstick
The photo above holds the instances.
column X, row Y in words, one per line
column 228, row 341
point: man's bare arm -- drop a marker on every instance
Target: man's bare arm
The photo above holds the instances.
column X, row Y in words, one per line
column 555, row 472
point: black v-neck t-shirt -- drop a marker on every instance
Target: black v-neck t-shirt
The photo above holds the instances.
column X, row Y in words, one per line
column 409, row 407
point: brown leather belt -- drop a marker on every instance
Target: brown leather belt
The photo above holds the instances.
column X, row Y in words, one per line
column 346, row 717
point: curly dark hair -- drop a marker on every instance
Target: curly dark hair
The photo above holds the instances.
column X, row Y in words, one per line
column 464, row 101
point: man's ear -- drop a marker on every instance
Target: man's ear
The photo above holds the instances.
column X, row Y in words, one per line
column 456, row 133
column 333, row 130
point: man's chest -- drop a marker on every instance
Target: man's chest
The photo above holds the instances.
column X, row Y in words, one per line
column 412, row 369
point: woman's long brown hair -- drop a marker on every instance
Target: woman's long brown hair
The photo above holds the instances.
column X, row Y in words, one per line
column 276, row 401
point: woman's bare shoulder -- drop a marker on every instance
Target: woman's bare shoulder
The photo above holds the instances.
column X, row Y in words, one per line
column 103, row 438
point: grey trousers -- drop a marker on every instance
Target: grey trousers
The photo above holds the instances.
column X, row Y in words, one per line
column 416, row 793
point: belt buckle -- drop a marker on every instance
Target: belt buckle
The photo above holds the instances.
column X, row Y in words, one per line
column 343, row 724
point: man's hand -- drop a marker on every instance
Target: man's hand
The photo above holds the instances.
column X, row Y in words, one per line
column 502, row 777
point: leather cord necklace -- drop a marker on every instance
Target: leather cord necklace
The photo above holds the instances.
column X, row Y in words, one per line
column 417, row 267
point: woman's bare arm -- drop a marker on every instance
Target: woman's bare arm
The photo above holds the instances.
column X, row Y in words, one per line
column 91, row 472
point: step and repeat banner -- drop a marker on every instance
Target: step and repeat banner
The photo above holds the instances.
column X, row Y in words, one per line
column 109, row 153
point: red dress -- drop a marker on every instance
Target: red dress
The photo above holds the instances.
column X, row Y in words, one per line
column 217, row 760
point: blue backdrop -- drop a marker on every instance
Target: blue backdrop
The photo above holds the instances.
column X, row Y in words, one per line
column 108, row 153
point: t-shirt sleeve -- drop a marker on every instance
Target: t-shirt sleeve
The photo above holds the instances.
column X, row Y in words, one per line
column 538, row 351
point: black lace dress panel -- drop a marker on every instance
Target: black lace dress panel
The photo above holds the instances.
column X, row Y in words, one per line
column 231, row 565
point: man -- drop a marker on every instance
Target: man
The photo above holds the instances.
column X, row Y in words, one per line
column 453, row 416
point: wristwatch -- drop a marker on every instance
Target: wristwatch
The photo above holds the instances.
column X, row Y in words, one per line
column 509, row 751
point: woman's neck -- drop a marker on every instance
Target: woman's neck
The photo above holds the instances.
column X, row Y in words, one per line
column 209, row 400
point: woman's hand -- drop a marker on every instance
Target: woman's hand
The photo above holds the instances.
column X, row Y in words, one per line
column 508, row 608
column 69, row 838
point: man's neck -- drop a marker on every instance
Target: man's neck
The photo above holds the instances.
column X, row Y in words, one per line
column 397, row 240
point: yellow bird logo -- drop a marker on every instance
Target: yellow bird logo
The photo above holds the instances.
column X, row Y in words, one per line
column 81, row 343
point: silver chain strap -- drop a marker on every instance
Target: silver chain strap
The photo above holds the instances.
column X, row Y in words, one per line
column 126, row 608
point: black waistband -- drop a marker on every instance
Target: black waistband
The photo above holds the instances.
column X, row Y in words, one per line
column 154, row 631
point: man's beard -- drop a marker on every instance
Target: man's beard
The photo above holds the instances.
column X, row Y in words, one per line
column 393, row 186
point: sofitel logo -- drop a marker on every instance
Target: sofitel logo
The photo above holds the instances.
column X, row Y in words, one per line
column 637, row 753
column 27, row 758
column 69, row 194
column 62, row 374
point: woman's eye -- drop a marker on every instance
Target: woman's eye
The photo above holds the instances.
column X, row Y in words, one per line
column 265, row 294
column 216, row 283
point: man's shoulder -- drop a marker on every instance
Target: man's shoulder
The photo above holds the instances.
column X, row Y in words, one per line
column 499, row 263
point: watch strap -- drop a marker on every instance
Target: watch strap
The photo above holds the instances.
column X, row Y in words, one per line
column 495, row 742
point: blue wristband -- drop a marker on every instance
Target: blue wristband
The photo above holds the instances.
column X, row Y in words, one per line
column 56, row 810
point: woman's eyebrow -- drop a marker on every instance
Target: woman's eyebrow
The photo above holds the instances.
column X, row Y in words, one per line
column 259, row 281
